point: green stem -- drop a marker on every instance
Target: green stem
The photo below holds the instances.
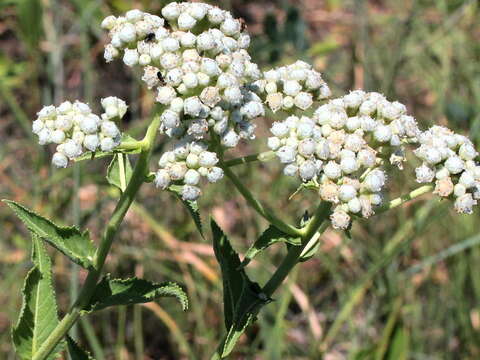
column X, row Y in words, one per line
column 137, row 179
column 130, row 145
column 319, row 224
column 405, row 198
column 264, row 156
column 138, row 332
column 280, row 224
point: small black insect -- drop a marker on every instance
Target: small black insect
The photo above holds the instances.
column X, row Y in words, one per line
column 150, row 37
column 160, row 77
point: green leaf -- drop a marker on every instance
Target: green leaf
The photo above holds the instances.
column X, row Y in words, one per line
column 232, row 275
column 251, row 301
column 69, row 240
column 38, row 316
column 269, row 237
column 191, row 206
column 76, row 352
column 242, row 298
column 112, row 292
column 119, row 171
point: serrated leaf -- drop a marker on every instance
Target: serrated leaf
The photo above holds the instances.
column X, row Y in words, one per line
column 69, row 240
column 269, row 237
column 112, row 292
column 38, row 316
column 232, row 276
column 119, row 171
column 191, row 206
column 76, row 352
column 251, row 301
column 242, row 297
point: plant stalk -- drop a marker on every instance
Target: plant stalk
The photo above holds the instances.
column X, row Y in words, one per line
column 270, row 217
column 263, row 156
column 319, row 224
column 126, row 199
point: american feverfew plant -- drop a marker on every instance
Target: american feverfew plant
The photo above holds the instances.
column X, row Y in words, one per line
column 194, row 58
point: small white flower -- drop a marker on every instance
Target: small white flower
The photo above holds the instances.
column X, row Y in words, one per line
column 374, row 181
column 347, row 192
column 207, row 159
column 382, row 133
column 467, row 152
column 130, row 57
column 286, row 154
column 354, row 205
column 349, row 165
column 109, row 22
column 59, row 160
column 171, row 11
column 459, row 190
column 216, row 15
column 454, row 165
column 186, row 22
column 340, row 219
column 192, row 106
column 72, row 149
column 165, row 95
column 464, row 204
column 253, row 109
column 307, row 170
column 109, row 129
column 230, row 27
column 127, row 33
column 190, row 193
column 306, row 147
column 192, row 177
column 214, row 174
column 108, row 144
column 91, row 142
column 57, row 136
column 424, row 174
column 89, row 124
column 332, row 170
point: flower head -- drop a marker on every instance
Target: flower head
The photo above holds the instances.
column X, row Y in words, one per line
column 341, row 149
column 76, row 129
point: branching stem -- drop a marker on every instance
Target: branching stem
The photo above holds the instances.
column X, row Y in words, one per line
column 317, row 224
column 126, row 199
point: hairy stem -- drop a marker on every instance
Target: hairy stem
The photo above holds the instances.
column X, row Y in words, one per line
column 126, row 199
column 280, row 224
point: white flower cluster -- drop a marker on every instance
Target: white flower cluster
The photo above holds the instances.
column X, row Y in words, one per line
column 292, row 86
column 449, row 161
column 186, row 164
column 342, row 148
column 196, row 58
column 75, row 129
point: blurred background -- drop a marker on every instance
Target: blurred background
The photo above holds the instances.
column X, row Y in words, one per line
column 404, row 285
